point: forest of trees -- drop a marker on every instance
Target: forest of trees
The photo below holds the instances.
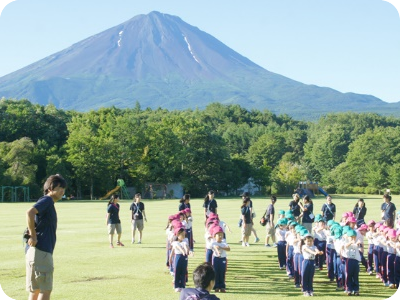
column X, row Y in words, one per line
column 219, row 148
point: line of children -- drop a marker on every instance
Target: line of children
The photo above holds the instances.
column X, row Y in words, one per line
column 384, row 253
column 178, row 247
column 340, row 246
column 216, row 248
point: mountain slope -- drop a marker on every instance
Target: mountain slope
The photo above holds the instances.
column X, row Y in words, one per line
column 161, row 61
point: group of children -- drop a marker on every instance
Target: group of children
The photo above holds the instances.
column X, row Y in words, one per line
column 180, row 246
column 339, row 246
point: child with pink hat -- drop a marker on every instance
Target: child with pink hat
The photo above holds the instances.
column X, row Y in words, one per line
column 361, row 233
column 173, row 220
column 371, row 245
column 351, row 221
column 391, row 257
column 180, row 252
column 209, row 238
column 219, row 260
column 384, row 254
column 344, row 219
column 188, row 223
column 397, row 261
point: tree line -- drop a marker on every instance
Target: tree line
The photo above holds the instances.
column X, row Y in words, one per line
column 219, row 148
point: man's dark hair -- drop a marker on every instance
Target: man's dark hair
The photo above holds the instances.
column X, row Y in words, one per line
column 273, row 198
column 54, row 181
column 387, row 196
column 203, row 275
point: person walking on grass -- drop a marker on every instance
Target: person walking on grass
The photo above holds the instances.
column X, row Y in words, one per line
column 42, row 226
column 252, row 214
column 137, row 216
column 113, row 222
column 270, row 226
column 247, row 222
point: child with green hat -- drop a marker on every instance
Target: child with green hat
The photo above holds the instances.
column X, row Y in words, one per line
column 352, row 263
column 280, row 236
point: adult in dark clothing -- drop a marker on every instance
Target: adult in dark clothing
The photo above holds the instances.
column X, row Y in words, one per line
column 42, row 226
column 359, row 211
column 270, row 226
column 294, row 206
column 184, row 202
column 246, row 195
column 247, row 221
column 328, row 209
column 138, row 214
column 204, row 280
column 112, row 220
column 210, row 204
column 307, row 216
column 388, row 210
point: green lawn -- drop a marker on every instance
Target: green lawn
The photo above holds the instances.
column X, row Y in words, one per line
column 86, row 268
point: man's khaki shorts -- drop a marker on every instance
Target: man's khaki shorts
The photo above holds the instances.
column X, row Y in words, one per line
column 137, row 224
column 39, row 270
column 113, row 227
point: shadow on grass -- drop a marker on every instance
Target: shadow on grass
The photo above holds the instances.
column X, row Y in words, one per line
column 255, row 271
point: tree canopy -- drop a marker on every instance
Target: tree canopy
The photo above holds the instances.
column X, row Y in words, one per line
column 220, row 147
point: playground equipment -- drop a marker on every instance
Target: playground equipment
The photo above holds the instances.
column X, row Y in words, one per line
column 120, row 186
column 309, row 188
column 14, row 193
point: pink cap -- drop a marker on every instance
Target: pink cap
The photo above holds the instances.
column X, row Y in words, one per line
column 177, row 229
column 216, row 230
column 371, row 223
column 187, row 211
column 345, row 215
column 351, row 220
column 363, row 227
column 176, row 223
column 350, row 214
column 387, row 229
column 391, row 233
column 377, row 225
column 212, row 228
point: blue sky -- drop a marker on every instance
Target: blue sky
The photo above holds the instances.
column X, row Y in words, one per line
column 348, row 45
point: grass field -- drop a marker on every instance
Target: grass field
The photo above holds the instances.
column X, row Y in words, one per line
column 86, row 268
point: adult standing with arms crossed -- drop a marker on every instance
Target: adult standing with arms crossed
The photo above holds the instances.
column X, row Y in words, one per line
column 137, row 215
column 359, row 211
column 42, row 225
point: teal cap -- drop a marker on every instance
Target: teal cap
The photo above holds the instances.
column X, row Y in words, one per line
column 351, row 232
